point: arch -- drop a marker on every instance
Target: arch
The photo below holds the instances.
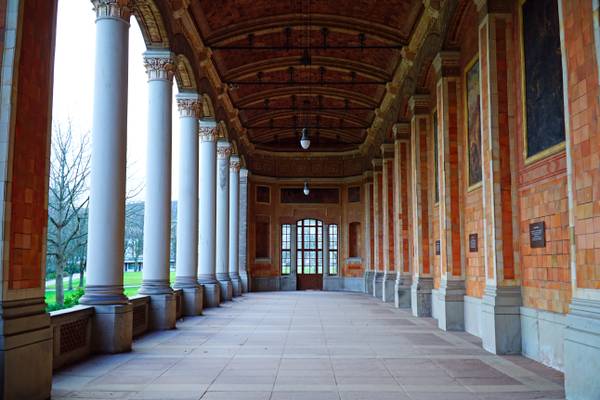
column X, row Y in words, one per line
column 208, row 110
column 222, row 131
column 151, row 24
column 184, row 74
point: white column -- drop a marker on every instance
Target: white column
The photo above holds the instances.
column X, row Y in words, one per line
column 243, row 234
column 207, row 210
column 234, row 224
column 190, row 106
column 108, row 171
column 106, row 226
column 157, row 208
column 222, row 259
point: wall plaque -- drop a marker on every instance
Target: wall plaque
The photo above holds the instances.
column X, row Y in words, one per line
column 537, row 235
column 473, row 245
column 437, row 248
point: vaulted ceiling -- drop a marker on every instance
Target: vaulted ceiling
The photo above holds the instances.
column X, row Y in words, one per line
column 339, row 68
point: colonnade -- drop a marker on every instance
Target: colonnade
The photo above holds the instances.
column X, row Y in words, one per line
column 208, row 226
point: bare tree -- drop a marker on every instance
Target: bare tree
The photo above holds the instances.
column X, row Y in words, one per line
column 67, row 201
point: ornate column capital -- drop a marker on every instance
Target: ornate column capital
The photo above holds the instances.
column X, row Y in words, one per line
column 159, row 64
column 189, row 105
column 118, row 9
column 223, row 149
column 235, row 163
column 207, row 130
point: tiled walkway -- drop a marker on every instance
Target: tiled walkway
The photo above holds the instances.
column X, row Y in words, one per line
column 308, row 345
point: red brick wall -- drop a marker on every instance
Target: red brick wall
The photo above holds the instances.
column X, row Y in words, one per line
column 28, row 196
column 585, row 137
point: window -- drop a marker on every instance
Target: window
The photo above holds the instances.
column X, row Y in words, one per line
column 286, row 249
column 309, row 247
column 333, row 249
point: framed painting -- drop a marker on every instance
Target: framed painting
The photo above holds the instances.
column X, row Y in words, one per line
column 542, row 79
column 473, row 123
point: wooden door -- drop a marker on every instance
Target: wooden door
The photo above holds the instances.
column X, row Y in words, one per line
column 309, row 253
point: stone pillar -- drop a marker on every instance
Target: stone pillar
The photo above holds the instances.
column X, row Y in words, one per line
column 422, row 284
column 401, row 215
column 387, row 212
column 234, row 224
column 377, row 229
column 157, row 208
column 367, row 218
column 222, row 246
column 452, row 285
column 500, row 307
column 243, row 236
column 106, row 223
column 208, row 213
column 190, row 107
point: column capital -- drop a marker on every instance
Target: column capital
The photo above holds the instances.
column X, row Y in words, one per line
column 207, row 130
column 447, row 63
column 377, row 165
column 401, row 130
column 387, row 151
column 159, row 64
column 118, row 9
column 235, row 163
column 419, row 104
column 189, row 105
column 223, row 149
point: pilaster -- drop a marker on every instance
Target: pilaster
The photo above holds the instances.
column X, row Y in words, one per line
column 502, row 297
column 377, row 229
column 401, row 233
column 234, row 223
column 368, row 228
column 387, row 212
column 222, row 232
column 422, row 284
column 243, row 234
column 452, row 285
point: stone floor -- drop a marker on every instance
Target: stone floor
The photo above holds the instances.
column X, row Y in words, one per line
column 308, row 345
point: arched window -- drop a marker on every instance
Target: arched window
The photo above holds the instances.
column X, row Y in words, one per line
column 333, row 249
column 286, row 249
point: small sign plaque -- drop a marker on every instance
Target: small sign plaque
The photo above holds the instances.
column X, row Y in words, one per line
column 473, row 245
column 537, row 235
column 437, row 247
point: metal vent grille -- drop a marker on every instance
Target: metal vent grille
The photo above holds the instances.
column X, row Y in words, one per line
column 73, row 335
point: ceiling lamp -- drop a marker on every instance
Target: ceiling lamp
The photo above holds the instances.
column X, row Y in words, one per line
column 306, row 189
column 305, row 140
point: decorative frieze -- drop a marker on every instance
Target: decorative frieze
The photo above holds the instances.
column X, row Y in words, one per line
column 160, row 65
column 120, row 9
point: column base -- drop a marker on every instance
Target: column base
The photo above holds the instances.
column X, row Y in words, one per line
column 402, row 291
column 501, row 320
column 389, row 280
column 25, row 350
column 212, row 294
column 163, row 311
column 368, row 282
column 378, row 284
column 245, row 281
column 193, row 300
column 420, row 296
column 236, row 283
column 582, row 350
column 112, row 330
column 451, row 316
column 226, row 287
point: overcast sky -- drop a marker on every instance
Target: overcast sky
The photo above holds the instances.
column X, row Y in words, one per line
column 74, row 86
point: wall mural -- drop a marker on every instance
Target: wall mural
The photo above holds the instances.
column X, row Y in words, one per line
column 473, row 122
column 542, row 64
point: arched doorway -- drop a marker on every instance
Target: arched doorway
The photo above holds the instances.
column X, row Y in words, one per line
column 309, row 254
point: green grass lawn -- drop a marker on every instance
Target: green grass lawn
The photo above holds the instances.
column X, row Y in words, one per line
column 131, row 280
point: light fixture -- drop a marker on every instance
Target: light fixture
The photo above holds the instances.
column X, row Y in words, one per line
column 306, row 189
column 305, row 140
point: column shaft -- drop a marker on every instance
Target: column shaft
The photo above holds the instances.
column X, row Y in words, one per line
column 222, row 246
column 243, row 234
column 157, row 208
column 387, row 211
column 190, row 106
column 368, row 227
column 377, row 229
column 234, row 224
column 208, row 213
